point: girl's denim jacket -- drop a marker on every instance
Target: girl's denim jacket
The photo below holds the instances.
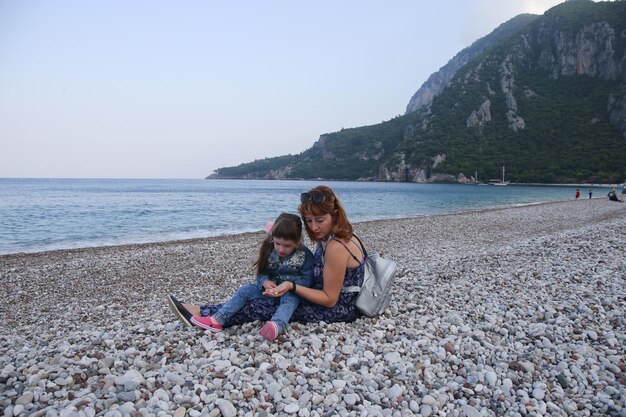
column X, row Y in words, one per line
column 297, row 267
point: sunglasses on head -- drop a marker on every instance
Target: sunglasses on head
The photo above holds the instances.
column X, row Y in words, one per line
column 317, row 197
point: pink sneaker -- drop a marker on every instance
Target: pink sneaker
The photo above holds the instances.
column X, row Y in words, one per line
column 270, row 331
column 207, row 323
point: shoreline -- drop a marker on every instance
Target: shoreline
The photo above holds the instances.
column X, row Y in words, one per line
column 24, row 236
column 494, row 312
column 194, row 240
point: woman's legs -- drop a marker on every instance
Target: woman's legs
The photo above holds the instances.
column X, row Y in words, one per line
column 179, row 310
column 344, row 311
column 265, row 309
column 193, row 309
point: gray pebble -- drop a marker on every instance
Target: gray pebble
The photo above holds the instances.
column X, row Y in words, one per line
column 350, row 399
column 479, row 319
column 226, row 408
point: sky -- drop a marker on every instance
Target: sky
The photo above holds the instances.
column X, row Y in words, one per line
column 178, row 89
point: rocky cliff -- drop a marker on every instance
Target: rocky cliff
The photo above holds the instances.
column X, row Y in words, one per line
column 544, row 95
column 577, row 42
column 438, row 81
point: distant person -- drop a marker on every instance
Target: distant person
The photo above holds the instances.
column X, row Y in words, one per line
column 623, row 191
column 613, row 195
column 338, row 264
column 590, row 194
column 282, row 258
column 577, row 194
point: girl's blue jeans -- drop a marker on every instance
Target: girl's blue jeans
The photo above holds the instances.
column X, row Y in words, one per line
column 248, row 292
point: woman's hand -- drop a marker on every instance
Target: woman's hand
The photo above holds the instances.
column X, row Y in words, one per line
column 278, row 290
column 268, row 285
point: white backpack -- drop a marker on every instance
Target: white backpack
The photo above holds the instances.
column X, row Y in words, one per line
column 378, row 276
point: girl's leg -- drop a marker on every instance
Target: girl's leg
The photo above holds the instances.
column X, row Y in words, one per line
column 278, row 324
column 242, row 296
column 214, row 322
column 288, row 304
column 260, row 309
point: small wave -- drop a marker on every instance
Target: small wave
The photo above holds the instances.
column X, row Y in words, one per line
column 88, row 213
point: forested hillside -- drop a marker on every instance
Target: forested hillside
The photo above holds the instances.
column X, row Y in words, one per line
column 543, row 95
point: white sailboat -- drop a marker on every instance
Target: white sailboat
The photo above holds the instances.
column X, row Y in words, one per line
column 499, row 182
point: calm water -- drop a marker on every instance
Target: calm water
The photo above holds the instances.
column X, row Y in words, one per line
column 46, row 214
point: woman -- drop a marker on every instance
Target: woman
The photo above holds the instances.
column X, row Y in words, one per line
column 338, row 264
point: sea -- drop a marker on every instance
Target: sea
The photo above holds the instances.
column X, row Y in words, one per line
column 49, row 214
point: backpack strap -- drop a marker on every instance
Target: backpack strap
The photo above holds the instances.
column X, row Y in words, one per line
column 354, row 288
column 350, row 252
column 364, row 251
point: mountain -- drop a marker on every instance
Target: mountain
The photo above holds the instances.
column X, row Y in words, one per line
column 435, row 84
column 543, row 95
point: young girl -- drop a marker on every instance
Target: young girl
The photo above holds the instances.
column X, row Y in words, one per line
column 282, row 257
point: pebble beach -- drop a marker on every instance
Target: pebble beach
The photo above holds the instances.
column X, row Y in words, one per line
column 517, row 311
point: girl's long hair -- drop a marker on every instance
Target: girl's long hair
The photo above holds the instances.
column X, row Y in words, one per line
column 342, row 228
column 286, row 226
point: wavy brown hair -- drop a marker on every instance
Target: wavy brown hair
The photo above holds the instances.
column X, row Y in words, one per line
column 342, row 228
column 286, row 226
